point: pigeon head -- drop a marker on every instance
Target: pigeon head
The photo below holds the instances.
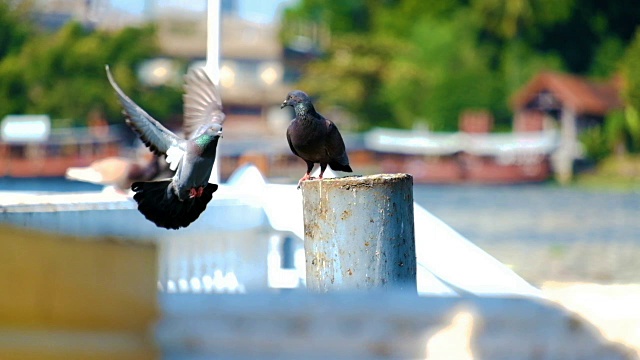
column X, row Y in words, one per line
column 298, row 100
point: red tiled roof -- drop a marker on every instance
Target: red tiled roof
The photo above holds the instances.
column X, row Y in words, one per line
column 583, row 95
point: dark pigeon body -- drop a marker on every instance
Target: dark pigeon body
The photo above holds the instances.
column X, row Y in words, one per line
column 314, row 138
column 177, row 202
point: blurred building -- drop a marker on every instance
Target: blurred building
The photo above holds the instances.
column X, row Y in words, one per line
column 551, row 112
column 568, row 103
column 54, row 14
column 251, row 63
column 251, row 56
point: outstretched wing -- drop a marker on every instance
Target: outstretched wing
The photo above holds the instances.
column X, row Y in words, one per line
column 158, row 138
column 202, row 102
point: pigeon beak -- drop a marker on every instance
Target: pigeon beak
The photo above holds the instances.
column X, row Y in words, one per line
column 284, row 103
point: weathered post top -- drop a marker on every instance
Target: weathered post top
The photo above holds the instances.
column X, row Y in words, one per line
column 359, row 233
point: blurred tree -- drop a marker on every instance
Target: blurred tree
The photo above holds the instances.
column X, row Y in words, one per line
column 62, row 74
column 593, row 27
column 398, row 62
column 395, row 72
column 617, row 135
column 520, row 18
column 341, row 16
column 627, row 128
column 450, row 72
column 352, row 74
column 15, row 26
column 596, row 144
column 631, row 73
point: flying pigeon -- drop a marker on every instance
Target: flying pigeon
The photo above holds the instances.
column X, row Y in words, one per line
column 177, row 202
column 314, row 138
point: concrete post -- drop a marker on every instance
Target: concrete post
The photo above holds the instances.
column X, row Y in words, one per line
column 359, row 233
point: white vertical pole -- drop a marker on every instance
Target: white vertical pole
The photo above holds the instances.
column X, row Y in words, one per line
column 213, row 41
column 212, row 66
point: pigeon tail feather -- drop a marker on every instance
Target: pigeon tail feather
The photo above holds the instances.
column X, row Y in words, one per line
column 162, row 207
column 339, row 167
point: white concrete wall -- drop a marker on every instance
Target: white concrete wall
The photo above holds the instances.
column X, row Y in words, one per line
column 390, row 325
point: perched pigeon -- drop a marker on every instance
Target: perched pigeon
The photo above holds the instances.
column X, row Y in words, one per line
column 314, row 138
column 177, row 202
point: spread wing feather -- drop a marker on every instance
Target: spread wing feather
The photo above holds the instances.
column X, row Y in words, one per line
column 157, row 138
column 202, row 101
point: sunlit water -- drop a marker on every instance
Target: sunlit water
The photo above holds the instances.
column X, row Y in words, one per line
column 544, row 232
column 534, row 213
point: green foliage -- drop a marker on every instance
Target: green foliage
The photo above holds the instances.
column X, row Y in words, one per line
column 14, row 24
column 631, row 73
column 62, row 74
column 614, row 130
column 510, row 19
column 626, row 128
column 352, row 75
column 607, row 57
column 340, row 16
column 632, row 128
column 519, row 63
column 596, row 144
column 455, row 73
column 578, row 39
column 396, row 63
column 618, row 173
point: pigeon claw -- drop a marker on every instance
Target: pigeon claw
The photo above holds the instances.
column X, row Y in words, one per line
column 304, row 178
column 196, row 192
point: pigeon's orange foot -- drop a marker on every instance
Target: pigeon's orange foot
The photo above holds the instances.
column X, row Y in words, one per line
column 196, row 192
column 304, row 178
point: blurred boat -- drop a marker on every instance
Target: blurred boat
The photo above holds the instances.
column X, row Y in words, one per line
column 30, row 148
column 119, row 172
column 461, row 157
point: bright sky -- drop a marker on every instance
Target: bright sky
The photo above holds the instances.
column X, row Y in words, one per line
column 254, row 10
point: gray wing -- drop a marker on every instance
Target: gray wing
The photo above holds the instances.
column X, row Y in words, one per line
column 202, row 102
column 158, row 138
column 293, row 150
column 335, row 144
